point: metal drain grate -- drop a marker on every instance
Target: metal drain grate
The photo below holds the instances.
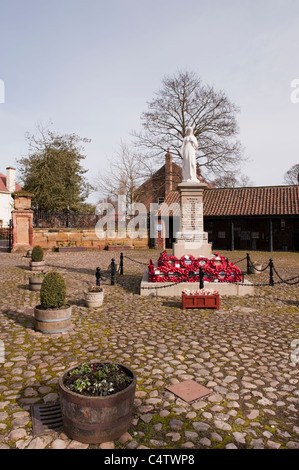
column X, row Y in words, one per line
column 46, row 417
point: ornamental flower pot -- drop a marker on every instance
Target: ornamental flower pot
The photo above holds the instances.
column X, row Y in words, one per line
column 255, row 268
column 94, row 297
column 97, row 401
column 200, row 299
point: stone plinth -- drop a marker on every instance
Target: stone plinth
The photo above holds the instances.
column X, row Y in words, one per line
column 22, row 221
column 22, row 200
column 170, row 289
column 192, row 240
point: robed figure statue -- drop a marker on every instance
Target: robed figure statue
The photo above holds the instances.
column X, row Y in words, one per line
column 190, row 145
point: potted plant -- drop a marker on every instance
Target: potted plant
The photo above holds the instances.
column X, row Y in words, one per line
column 97, row 401
column 94, row 296
column 255, row 267
column 202, row 298
column 35, row 281
column 37, row 262
column 53, row 315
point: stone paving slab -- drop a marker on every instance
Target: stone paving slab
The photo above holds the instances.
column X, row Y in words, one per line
column 245, row 353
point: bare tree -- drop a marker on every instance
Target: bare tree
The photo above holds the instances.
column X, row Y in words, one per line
column 122, row 176
column 184, row 101
column 292, row 175
column 231, row 181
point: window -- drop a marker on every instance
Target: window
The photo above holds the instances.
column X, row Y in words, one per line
column 160, row 200
column 221, row 234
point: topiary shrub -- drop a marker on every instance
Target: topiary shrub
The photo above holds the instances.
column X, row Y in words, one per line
column 53, row 291
column 37, row 253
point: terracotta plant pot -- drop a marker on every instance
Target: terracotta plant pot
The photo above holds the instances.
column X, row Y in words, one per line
column 96, row 419
column 94, row 298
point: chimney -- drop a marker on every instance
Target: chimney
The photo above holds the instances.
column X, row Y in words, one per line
column 168, row 173
column 11, row 179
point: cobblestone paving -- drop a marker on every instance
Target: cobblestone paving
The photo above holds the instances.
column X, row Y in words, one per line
column 245, row 353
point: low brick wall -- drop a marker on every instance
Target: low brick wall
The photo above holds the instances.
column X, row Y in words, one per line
column 50, row 239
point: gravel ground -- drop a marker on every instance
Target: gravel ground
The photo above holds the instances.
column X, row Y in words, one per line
column 245, row 353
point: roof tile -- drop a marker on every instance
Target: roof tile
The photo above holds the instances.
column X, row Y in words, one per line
column 254, row 201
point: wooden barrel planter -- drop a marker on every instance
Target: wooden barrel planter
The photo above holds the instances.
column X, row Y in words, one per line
column 35, row 282
column 37, row 266
column 53, row 320
column 96, row 419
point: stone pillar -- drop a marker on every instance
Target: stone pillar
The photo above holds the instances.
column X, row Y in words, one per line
column 192, row 240
column 22, row 221
column 160, row 241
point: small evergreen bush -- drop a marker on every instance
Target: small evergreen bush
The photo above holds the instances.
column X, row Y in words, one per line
column 37, row 253
column 53, row 291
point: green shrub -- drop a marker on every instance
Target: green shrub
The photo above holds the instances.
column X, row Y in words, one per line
column 37, row 253
column 53, row 291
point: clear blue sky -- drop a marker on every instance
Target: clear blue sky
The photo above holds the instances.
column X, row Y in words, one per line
column 90, row 67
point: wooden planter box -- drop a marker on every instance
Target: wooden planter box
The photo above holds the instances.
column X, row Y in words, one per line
column 63, row 249
column 200, row 301
column 118, row 247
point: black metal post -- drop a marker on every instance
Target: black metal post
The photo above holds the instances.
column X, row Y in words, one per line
column 112, row 271
column 271, row 280
column 98, row 276
column 121, row 264
column 201, row 278
column 248, row 263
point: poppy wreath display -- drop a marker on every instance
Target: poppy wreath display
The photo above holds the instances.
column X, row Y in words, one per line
column 215, row 269
column 233, row 273
column 170, row 261
column 163, row 276
column 177, row 275
column 187, row 261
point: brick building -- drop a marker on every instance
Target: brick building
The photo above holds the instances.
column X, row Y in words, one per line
column 7, row 186
column 250, row 218
column 254, row 218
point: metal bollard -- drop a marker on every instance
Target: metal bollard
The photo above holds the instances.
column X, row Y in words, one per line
column 98, row 276
column 113, row 269
column 248, row 263
column 121, row 264
column 201, row 284
column 271, row 280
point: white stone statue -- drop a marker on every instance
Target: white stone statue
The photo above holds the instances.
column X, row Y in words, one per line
column 190, row 144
